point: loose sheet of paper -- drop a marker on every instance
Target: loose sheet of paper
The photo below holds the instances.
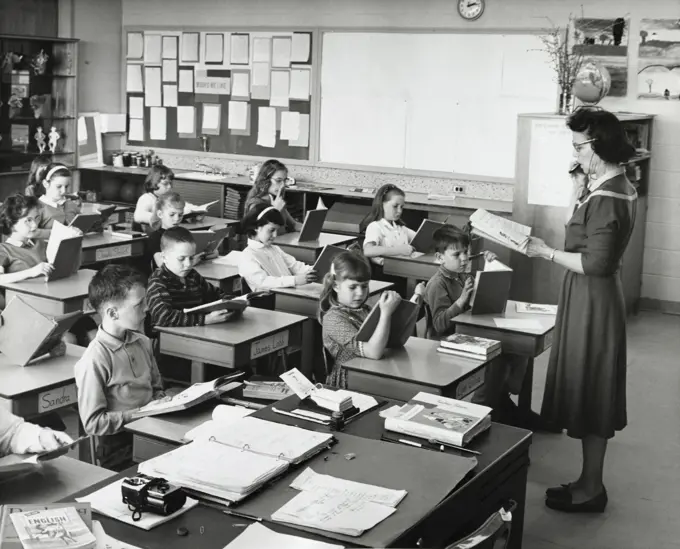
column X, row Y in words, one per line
column 240, row 84
column 153, row 88
column 518, row 323
column 158, row 123
column 169, row 95
column 297, row 381
column 186, row 81
column 303, row 139
column 170, row 47
column 238, row 115
column 152, row 49
column 301, row 47
column 134, row 79
column 104, row 541
column 169, row 70
column 214, row 47
column 258, row 536
column 240, row 44
column 136, row 108
column 280, row 89
column 136, row 131
column 212, row 114
column 299, row 84
column 186, row 120
column 550, row 156
column 190, row 47
column 135, row 45
column 290, row 125
column 262, row 49
column 260, row 74
column 266, row 127
column 281, row 46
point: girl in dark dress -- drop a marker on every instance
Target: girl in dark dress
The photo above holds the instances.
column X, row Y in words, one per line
column 586, row 383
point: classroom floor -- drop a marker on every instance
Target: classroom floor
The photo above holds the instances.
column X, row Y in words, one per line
column 643, row 463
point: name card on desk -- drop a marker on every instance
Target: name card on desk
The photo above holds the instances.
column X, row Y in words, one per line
column 113, row 252
column 57, row 398
column 269, row 344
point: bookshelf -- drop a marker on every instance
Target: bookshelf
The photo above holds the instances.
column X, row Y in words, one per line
column 36, row 95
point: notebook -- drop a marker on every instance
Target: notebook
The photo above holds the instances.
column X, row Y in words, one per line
column 492, row 289
column 422, row 241
column 322, row 265
column 311, row 228
column 28, row 334
column 63, row 251
column 401, row 328
column 208, row 241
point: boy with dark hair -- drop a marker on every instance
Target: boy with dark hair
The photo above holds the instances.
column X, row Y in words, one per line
column 117, row 374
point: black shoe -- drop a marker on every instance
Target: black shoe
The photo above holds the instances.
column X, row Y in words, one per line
column 593, row 505
column 528, row 419
column 558, row 492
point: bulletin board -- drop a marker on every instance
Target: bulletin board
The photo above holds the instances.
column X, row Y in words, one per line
column 236, row 92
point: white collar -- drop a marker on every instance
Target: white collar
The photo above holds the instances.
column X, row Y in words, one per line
column 390, row 224
column 256, row 244
column 19, row 244
column 595, row 183
column 47, row 201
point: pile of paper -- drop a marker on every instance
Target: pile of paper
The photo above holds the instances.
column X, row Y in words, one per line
column 257, row 535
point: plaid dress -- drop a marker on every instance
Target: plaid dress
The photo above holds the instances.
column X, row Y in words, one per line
column 340, row 326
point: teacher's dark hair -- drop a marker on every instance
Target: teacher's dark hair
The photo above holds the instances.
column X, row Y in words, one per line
column 610, row 141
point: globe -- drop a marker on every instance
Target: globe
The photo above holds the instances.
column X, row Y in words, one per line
column 592, row 83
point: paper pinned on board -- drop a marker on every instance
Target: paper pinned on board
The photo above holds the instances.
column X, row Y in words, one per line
column 153, row 88
column 190, row 47
column 135, row 45
column 266, row 127
column 170, row 47
column 152, row 49
column 281, row 46
column 169, row 95
column 260, row 74
column 240, row 48
column 240, row 84
column 550, row 155
column 158, row 124
column 136, row 107
column 134, row 79
column 214, row 47
column 238, row 115
column 299, row 84
column 303, row 138
column 186, row 120
column 290, row 125
column 169, row 70
column 262, row 49
column 301, row 47
column 186, row 80
column 136, row 131
column 280, row 89
column 212, row 115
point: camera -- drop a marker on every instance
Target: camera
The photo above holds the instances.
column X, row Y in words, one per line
column 154, row 495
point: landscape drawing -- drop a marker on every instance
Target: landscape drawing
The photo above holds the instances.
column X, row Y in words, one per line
column 605, row 40
column 659, row 59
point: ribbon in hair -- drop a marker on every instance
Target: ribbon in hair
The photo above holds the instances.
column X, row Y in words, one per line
column 265, row 211
column 53, row 171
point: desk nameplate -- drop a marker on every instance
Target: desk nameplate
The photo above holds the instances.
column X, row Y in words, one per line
column 57, row 398
column 270, row 344
column 113, row 252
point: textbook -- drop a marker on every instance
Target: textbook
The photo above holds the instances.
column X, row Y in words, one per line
column 208, row 241
column 28, row 334
column 8, row 534
column 197, row 393
column 471, row 344
column 53, row 529
column 501, row 230
column 422, row 241
column 63, row 251
column 401, row 328
column 85, row 222
column 235, row 304
column 311, row 228
column 323, row 263
column 466, row 354
column 440, row 418
column 192, row 211
column 266, row 390
column 492, row 289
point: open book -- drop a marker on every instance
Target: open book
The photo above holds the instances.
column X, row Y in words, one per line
column 208, row 241
column 197, row 393
column 28, row 334
column 326, row 398
column 85, row 221
column 402, row 325
column 323, row 263
column 63, row 250
column 236, row 304
column 311, row 228
column 422, row 241
column 19, row 463
column 505, row 232
column 192, row 211
column 491, row 290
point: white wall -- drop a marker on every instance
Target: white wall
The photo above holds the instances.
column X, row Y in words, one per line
column 661, row 278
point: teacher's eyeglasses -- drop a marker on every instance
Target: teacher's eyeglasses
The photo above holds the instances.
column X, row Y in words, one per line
column 579, row 146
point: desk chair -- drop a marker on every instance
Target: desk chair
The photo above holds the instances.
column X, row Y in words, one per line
column 493, row 534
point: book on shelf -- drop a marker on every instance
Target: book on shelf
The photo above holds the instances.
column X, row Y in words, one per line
column 311, row 228
column 208, row 241
column 491, row 289
column 238, row 459
column 535, row 308
column 266, row 390
column 501, row 230
column 197, row 393
column 9, row 538
column 63, row 250
column 440, row 418
column 232, row 304
column 402, row 325
column 52, row 529
column 323, row 263
column 470, row 344
column 467, row 354
column 126, row 234
column 28, row 334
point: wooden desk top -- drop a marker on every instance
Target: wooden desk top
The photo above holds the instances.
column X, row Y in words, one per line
column 547, row 322
column 74, row 286
column 106, row 239
column 325, row 239
column 216, row 271
column 426, row 259
column 418, row 361
column 254, row 324
column 47, row 373
column 313, row 289
column 207, row 222
column 54, row 481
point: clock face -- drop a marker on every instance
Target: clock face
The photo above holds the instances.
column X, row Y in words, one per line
column 470, row 9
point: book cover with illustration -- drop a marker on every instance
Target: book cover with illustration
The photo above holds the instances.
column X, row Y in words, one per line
column 471, row 344
column 9, row 539
column 52, row 529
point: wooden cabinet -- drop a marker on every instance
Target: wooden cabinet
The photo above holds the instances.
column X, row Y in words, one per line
column 539, row 281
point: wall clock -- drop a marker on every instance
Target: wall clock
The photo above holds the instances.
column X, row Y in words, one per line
column 471, row 10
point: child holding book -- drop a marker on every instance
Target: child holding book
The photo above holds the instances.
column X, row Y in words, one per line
column 158, row 182
column 117, row 374
column 169, row 212
column 264, row 265
column 55, row 202
column 268, row 189
column 343, row 309
column 20, row 437
column 176, row 285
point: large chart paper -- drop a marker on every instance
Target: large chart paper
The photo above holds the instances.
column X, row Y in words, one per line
column 549, row 157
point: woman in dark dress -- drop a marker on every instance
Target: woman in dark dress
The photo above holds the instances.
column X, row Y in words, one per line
column 586, row 383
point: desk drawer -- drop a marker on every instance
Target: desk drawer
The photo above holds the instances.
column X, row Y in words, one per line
column 145, row 448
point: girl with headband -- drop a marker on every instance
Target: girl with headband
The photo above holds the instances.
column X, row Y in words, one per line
column 56, row 204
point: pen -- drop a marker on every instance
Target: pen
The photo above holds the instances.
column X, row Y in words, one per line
column 473, row 256
column 241, row 515
column 402, row 441
column 244, row 403
column 446, row 444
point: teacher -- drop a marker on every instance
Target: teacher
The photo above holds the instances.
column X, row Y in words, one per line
column 585, row 389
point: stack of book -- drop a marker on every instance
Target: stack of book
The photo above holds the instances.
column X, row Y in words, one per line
column 470, row 346
column 266, row 390
column 233, row 204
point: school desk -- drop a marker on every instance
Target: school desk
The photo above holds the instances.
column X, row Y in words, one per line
column 54, row 481
column 413, row 269
column 417, row 366
column 54, row 298
column 223, row 276
column 525, row 341
column 233, row 344
column 104, row 247
column 500, row 474
column 206, row 222
column 307, row 251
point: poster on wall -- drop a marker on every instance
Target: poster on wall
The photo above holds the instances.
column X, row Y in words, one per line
column 605, row 40
column 658, row 71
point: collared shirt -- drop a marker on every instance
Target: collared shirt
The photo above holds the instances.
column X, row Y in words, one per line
column 264, row 267
column 18, row 436
column 168, row 295
column 388, row 234
column 50, row 212
column 441, row 293
column 15, row 258
column 115, row 376
column 594, row 183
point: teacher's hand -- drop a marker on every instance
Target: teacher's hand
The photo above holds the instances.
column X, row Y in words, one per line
column 538, row 248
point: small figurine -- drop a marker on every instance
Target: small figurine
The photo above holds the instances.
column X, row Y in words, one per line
column 53, row 137
column 40, row 140
column 39, row 62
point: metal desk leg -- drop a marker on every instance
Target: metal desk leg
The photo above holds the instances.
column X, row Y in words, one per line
column 524, row 401
column 307, row 350
column 198, row 372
